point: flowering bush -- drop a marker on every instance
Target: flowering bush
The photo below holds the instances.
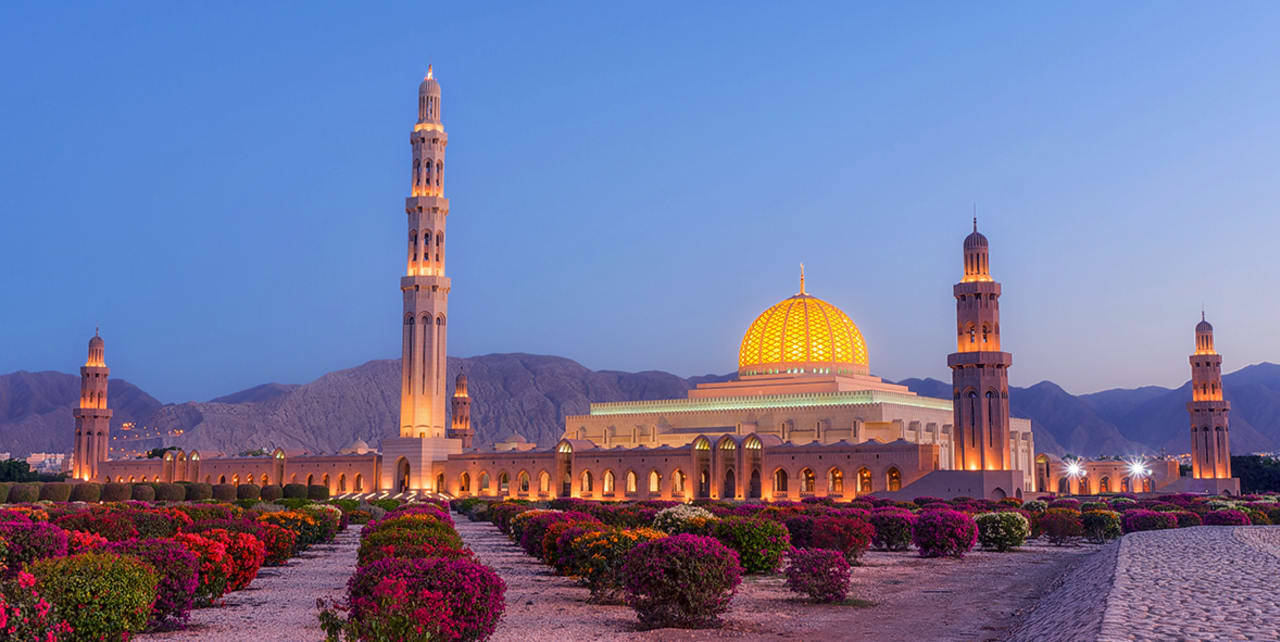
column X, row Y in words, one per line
column 551, row 539
column 821, row 574
column 893, row 528
column 533, row 530
column 1073, row 504
column 1060, row 525
column 81, row 542
column 307, row 527
column 567, row 561
column 25, row 615
column 201, row 512
column 101, row 595
column 215, row 567
column 1226, row 517
column 676, row 519
column 111, row 524
column 159, row 522
column 682, row 580
column 31, row 541
column 1035, row 506
column 23, row 514
column 1140, row 519
column 280, row 544
column 1102, row 525
column 801, row 529
column 848, row 535
column 760, row 543
column 443, row 537
column 944, row 532
column 1256, row 517
column 245, row 554
column 502, row 512
column 459, row 597
column 416, row 551
column 178, row 571
column 601, row 555
column 1187, row 518
column 1002, row 531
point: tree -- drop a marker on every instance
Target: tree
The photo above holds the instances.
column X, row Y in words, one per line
column 16, row 470
column 1257, row 474
column 156, row 453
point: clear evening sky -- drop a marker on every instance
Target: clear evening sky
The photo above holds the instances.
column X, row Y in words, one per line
column 220, row 185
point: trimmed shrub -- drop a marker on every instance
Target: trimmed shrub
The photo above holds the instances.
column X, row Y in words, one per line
column 413, row 599
column 245, row 553
column 1226, row 517
column 821, row 574
column 681, row 518
column 248, row 491
column 1140, row 519
column 224, row 492
column 1187, row 518
column 86, row 492
column 566, row 560
column 111, row 524
column 55, row 492
column 26, row 615
column 684, row 580
column 1002, row 531
column 535, row 529
column 601, row 555
column 101, row 595
column 280, row 543
column 272, row 493
column 295, row 491
column 4, row 491
column 215, row 567
column 1060, row 525
column 171, row 492
column 443, row 537
column 117, row 492
column 1256, row 517
column 24, row 493
column 801, row 529
column 849, row 535
column 760, row 543
column 1101, row 525
column 31, row 541
column 317, row 492
column 1035, row 506
column 893, row 528
column 199, row 492
column 944, row 532
column 178, row 575
column 143, row 493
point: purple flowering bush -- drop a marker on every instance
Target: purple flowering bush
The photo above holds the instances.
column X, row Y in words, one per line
column 1140, row 519
column 31, row 541
column 1187, row 518
column 893, row 528
column 1226, row 517
column 944, row 533
column 822, row 574
column 178, row 571
column 683, row 581
column 760, row 543
column 848, row 535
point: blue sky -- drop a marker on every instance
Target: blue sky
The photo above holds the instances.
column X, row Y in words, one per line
column 220, row 186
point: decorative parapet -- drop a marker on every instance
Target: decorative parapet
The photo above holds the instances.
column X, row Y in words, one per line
column 752, row 402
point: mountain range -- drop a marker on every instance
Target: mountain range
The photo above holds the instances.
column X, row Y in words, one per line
column 530, row 395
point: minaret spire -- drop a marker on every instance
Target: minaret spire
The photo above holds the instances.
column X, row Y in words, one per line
column 802, row 278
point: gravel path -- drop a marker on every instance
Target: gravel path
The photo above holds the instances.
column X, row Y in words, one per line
column 280, row 604
column 1072, row 610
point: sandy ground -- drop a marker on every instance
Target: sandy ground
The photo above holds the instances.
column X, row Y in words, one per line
column 899, row 596
column 280, row 604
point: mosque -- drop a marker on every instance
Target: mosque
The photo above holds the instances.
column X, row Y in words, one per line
column 803, row 418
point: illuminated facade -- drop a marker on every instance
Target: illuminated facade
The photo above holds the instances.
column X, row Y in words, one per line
column 93, row 417
column 1210, row 449
column 460, row 425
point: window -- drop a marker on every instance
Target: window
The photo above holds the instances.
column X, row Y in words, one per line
column 586, row 481
column 608, row 481
column 484, row 481
column 807, row 481
column 894, row 479
column 631, row 481
column 836, row 481
column 523, row 481
column 677, row 482
column 544, row 482
column 464, row 483
column 780, row 481
column 864, row 481
column 655, row 482
column 504, row 483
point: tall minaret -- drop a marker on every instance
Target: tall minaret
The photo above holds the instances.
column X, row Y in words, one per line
column 461, row 425
column 425, row 286
column 93, row 418
column 979, row 370
column 1210, row 450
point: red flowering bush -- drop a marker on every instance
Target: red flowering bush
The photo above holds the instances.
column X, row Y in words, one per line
column 893, row 528
column 1060, row 525
column 819, row 573
column 760, row 544
column 31, row 541
column 245, row 553
column 178, row 571
column 280, row 543
column 159, row 522
column 945, row 532
column 849, row 535
column 422, row 509
column 1073, row 504
column 101, row 595
column 416, row 551
column 443, row 537
column 682, row 580
column 551, row 545
column 535, row 528
column 502, row 512
column 1226, row 517
column 111, row 524
column 1140, row 519
column 200, row 512
column 215, row 567
column 25, row 615
column 457, row 596
column 81, row 542
column 1187, row 518
column 801, row 529
column 393, row 610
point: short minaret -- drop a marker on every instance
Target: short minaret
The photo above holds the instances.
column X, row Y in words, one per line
column 979, row 370
column 93, row 418
column 460, row 427
column 425, row 287
column 1210, row 448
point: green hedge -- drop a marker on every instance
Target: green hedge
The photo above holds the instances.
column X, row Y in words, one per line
column 171, row 492
column 144, row 492
column 295, row 491
column 224, row 492
column 117, row 492
column 199, row 492
column 272, row 493
column 86, row 492
column 248, row 491
column 24, row 493
column 4, row 491
column 316, row 491
column 55, row 491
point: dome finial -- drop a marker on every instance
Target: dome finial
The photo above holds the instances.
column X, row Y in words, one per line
column 428, row 71
column 802, row 278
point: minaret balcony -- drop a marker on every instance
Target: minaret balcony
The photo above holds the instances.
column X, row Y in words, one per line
column 982, row 358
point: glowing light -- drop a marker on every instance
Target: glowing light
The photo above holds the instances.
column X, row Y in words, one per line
column 1138, row 468
column 1074, row 468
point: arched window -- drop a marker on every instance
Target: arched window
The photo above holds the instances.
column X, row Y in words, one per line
column 677, row 482
column 222, row 479
column 504, row 483
column 655, row 482
column 1104, row 485
column 544, row 482
column 807, row 481
column 359, row 487
column 973, row 334
column 235, row 479
column 631, row 481
column 522, row 481
column 1064, row 487
column 586, row 481
column 439, row 171
column 835, row 480
column 986, row 331
column 864, row 480
column 484, row 480
column 326, row 480
column 780, row 481
column 464, row 483
column 894, row 479
column 608, row 481
column 342, row 483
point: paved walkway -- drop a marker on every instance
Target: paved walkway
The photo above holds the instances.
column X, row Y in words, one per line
column 1200, row 583
column 280, row 604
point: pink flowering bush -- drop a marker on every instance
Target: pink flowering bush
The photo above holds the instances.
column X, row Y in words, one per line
column 1061, row 525
column 1140, row 519
column 25, row 615
column 1226, row 517
column 801, row 529
column 533, row 529
column 848, row 535
column 111, row 524
column 1187, row 518
column 31, row 541
column 893, row 528
column 944, row 533
column 760, row 544
column 822, row 574
column 683, row 581
column 393, row 609
column 457, row 596
column 178, row 571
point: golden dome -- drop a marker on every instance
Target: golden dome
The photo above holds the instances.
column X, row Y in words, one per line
column 802, row 335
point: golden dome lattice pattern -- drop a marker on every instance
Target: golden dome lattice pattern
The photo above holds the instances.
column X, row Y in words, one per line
column 802, row 334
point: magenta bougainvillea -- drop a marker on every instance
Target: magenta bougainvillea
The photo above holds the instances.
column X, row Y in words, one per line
column 944, row 533
column 1226, row 517
column 1140, row 519
column 682, row 580
column 821, row 574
